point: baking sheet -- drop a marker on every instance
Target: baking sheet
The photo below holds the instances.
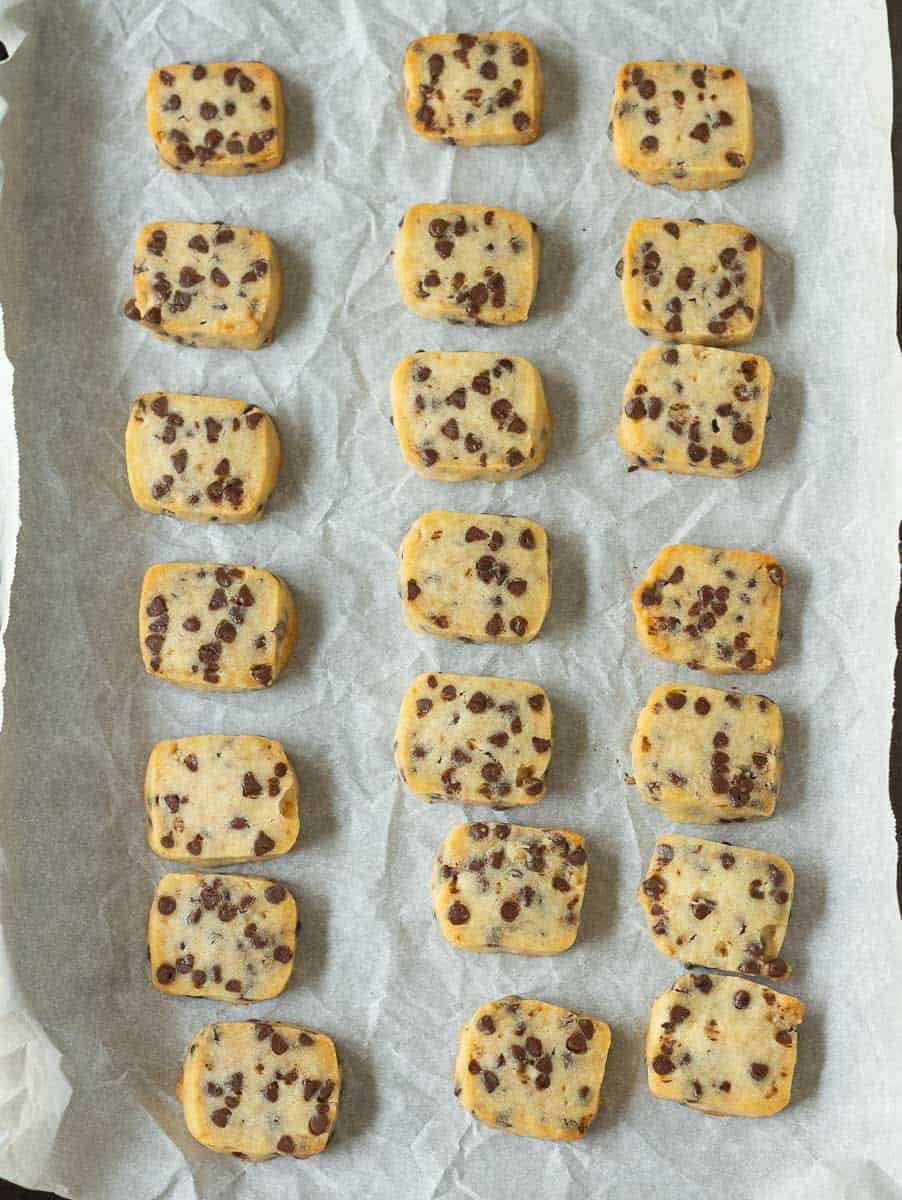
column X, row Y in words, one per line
column 81, row 716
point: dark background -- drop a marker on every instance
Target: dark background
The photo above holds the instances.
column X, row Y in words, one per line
column 11, row 1191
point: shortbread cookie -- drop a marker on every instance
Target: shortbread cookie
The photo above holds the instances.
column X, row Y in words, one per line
column 215, row 627
column 475, row 576
column 474, row 739
column 474, row 89
column 200, row 458
column 724, row 1046
column 713, row 610
column 704, row 756
column 225, row 118
column 509, row 887
column 696, row 410
column 261, row 1088
column 467, row 263
column 219, row 799
column 718, row 905
column 225, row 937
column 685, row 281
column 470, row 415
column 532, row 1068
column 683, row 123
column 206, row 285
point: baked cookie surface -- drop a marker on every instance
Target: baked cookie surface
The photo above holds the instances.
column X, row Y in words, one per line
column 467, row 263
column 261, row 1088
column 509, row 888
column 532, row 1068
column 214, row 626
column 688, row 124
column 723, row 1045
column 695, row 410
column 217, row 799
column 207, row 285
column 472, row 415
column 474, row 739
column 217, row 118
column 685, row 281
column 201, row 458
column 223, row 937
column 705, row 756
column 718, row 905
column 474, row 89
column 711, row 609
column 475, row 576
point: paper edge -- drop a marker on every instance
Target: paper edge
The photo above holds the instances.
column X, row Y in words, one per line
column 34, row 1091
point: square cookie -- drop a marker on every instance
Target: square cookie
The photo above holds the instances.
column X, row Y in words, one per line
column 717, row 905
column 510, row 888
column 219, row 799
column 532, row 1068
column 695, row 410
column 704, row 756
column 723, row 1046
column 685, row 281
column 474, row 739
column 200, row 458
column 215, row 627
column 467, row 263
column 223, row 118
column 472, row 415
column 475, row 576
column 474, row 89
column 688, row 124
column 211, row 285
column 259, row 1088
column 224, row 937
column 711, row 609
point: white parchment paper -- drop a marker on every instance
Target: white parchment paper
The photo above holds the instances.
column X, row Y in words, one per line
column 81, row 716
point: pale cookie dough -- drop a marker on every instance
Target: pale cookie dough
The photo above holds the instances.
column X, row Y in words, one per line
column 467, row 263
column 200, row 458
column 466, row 89
column 224, row 937
column 509, row 887
column 695, row 410
column 711, row 609
column 532, row 1068
column 718, row 905
column 703, row 756
column 685, row 281
column 259, row 1088
column 206, row 285
column 470, row 415
column 474, row 739
column 219, row 799
column 215, row 627
column 475, row 576
column 217, row 118
column 683, row 123
column 723, row 1046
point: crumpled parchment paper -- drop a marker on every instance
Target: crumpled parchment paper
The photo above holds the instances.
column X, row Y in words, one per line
column 81, row 178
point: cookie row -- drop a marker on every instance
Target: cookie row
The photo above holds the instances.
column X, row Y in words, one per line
column 251, row 1088
column 458, row 416
column 688, row 124
column 723, row 1046
column 220, row 285
column 477, row 577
